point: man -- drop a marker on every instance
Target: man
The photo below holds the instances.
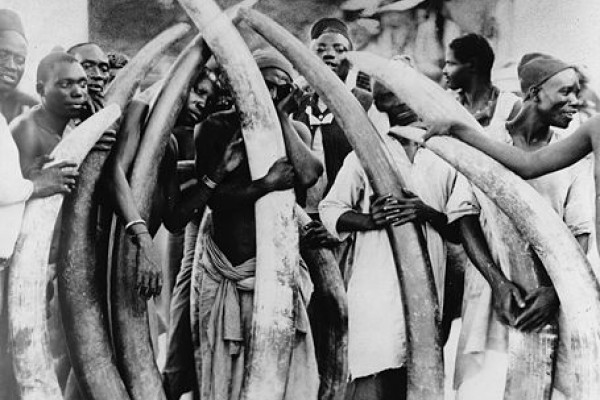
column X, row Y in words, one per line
column 13, row 53
column 231, row 245
column 330, row 40
column 61, row 84
column 436, row 197
column 468, row 69
column 14, row 192
column 97, row 68
column 550, row 88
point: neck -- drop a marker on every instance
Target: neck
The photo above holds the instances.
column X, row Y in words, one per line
column 54, row 122
column 479, row 92
column 528, row 126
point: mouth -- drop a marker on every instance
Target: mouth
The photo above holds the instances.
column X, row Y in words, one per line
column 8, row 78
column 569, row 114
column 74, row 106
column 94, row 87
column 331, row 65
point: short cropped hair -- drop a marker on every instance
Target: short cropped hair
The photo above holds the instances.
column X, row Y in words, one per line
column 72, row 49
column 52, row 59
column 476, row 49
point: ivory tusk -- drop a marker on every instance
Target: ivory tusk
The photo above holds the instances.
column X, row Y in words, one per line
column 32, row 362
column 567, row 266
column 277, row 257
column 131, row 335
column 424, row 358
column 82, row 268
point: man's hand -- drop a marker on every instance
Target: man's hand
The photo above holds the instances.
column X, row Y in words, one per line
column 382, row 212
column 314, row 235
column 59, row 178
column 106, row 141
column 149, row 273
column 541, row 309
column 506, row 300
column 411, row 208
column 445, row 128
column 234, row 153
column 280, row 175
column 294, row 101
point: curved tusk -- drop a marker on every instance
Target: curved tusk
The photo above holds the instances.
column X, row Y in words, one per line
column 567, row 266
column 424, row 358
column 33, row 364
column 273, row 328
column 82, row 268
column 329, row 285
column 131, row 335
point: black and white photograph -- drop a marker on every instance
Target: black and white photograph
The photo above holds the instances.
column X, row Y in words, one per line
column 299, row 199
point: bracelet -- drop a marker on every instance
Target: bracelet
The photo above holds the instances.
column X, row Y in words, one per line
column 132, row 223
column 209, row 182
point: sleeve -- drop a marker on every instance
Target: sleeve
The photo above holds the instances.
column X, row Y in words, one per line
column 345, row 194
column 579, row 204
column 13, row 187
column 461, row 201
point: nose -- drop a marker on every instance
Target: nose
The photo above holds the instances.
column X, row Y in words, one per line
column 572, row 98
column 78, row 91
column 10, row 63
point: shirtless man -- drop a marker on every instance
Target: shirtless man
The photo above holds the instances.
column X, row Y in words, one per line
column 97, row 68
column 233, row 238
column 13, row 52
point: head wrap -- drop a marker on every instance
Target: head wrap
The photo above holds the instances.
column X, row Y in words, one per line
column 270, row 58
column 10, row 21
column 536, row 68
column 332, row 25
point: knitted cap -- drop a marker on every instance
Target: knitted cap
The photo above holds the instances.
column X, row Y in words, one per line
column 536, row 68
column 10, row 21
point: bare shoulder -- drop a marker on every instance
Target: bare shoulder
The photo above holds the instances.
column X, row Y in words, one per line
column 24, row 130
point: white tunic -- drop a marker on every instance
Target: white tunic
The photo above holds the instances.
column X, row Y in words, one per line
column 377, row 339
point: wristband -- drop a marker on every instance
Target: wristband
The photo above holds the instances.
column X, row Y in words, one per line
column 132, row 223
column 209, row 182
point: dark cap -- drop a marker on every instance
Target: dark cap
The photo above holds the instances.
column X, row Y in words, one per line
column 10, row 21
column 536, row 68
column 325, row 25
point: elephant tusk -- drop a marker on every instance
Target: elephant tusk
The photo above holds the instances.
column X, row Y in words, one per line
column 82, row 268
column 277, row 257
column 131, row 335
column 565, row 263
column 424, row 358
column 32, row 361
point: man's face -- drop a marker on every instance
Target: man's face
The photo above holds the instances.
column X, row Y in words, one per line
column 64, row 92
column 455, row 72
column 199, row 97
column 95, row 63
column 330, row 47
column 13, row 52
column 557, row 98
column 278, row 82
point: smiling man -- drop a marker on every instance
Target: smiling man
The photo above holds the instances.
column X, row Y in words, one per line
column 550, row 87
column 13, row 52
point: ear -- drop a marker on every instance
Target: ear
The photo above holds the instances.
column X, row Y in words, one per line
column 39, row 88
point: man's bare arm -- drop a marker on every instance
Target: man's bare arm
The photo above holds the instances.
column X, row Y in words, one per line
column 526, row 164
column 506, row 294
